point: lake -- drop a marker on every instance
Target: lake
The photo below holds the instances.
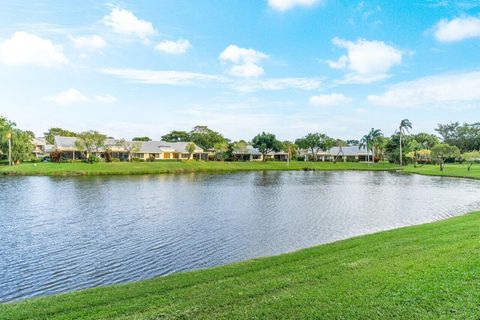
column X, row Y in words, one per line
column 62, row 234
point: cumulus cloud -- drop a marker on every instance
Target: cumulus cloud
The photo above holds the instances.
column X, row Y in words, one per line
column 68, row 97
column 93, row 42
column 329, row 100
column 73, row 96
column 125, row 22
column 27, row 49
column 443, row 91
column 284, row 5
column 245, row 62
column 368, row 61
column 170, row 77
column 457, row 29
column 173, row 47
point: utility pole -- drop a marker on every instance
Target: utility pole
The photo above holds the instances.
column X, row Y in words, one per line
column 9, row 137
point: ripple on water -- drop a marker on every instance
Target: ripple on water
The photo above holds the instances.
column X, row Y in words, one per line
column 62, row 234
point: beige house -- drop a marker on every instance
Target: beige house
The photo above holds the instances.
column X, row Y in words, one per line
column 143, row 150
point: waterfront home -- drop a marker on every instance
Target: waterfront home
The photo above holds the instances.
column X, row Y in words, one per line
column 41, row 148
column 143, row 150
column 350, row 153
column 162, row 150
column 252, row 154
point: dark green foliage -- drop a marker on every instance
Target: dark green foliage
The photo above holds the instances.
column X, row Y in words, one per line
column 52, row 132
column 265, row 143
column 141, row 139
column 465, row 137
column 177, row 136
column 206, row 138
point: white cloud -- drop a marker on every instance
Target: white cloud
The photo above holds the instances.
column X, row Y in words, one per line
column 329, row 100
column 276, row 84
column 284, row 5
column 368, row 61
column 245, row 62
column 124, row 22
column 93, row 42
column 442, row 91
column 73, row 96
column 174, row 78
column 457, row 29
column 107, row 99
column 173, row 47
column 27, row 49
column 68, row 97
column 246, row 70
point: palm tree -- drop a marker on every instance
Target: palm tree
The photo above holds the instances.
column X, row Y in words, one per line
column 405, row 126
column 370, row 140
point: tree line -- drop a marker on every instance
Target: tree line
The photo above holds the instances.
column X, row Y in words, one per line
column 451, row 142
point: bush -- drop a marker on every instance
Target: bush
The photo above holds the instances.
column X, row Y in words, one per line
column 136, row 160
column 56, row 156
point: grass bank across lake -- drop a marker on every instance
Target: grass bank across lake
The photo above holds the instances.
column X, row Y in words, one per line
column 430, row 271
column 125, row 168
column 451, row 170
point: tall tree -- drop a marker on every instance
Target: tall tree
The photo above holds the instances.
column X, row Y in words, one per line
column 52, row 132
column 426, row 140
column 130, row 147
column 369, row 141
column 266, row 143
column 90, row 141
column 464, row 136
column 221, row 150
column 22, row 146
column 405, row 126
column 205, row 137
column 177, row 136
column 190, row 148
column 290, row 148
column 444, row 151
column 314, row 142
column 141, row 139
column 6, row 128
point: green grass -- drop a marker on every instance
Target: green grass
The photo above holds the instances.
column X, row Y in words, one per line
column 451, row 170
column 118, row 168
column 430, row 271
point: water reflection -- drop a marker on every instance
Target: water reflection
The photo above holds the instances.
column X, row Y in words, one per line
column 61, row 234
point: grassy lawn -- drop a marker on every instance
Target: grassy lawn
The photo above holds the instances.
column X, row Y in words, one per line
column 430, row 271
column 451, row 170
column 178, row 167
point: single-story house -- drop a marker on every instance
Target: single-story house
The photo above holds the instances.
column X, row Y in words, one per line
column 144, row 150
column 252, row 154
column 349, row 153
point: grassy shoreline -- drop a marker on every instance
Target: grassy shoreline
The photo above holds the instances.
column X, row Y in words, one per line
column 124, row 168
column 173, row 167
column 430, row 271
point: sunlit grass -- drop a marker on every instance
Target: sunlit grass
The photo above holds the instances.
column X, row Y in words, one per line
column 430, row 271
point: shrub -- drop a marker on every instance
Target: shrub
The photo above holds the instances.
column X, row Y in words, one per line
column 56, row 156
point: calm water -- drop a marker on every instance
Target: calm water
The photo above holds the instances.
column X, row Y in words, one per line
column 61, row 234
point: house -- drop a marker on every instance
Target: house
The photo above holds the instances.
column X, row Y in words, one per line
column 143, row 150
column 41, row 148
column 163, row 150
column 349, row 153
column 252, row 154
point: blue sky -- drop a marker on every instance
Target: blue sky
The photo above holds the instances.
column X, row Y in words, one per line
column 289, row 67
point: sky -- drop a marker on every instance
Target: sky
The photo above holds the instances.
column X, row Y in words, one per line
column 289, row 67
